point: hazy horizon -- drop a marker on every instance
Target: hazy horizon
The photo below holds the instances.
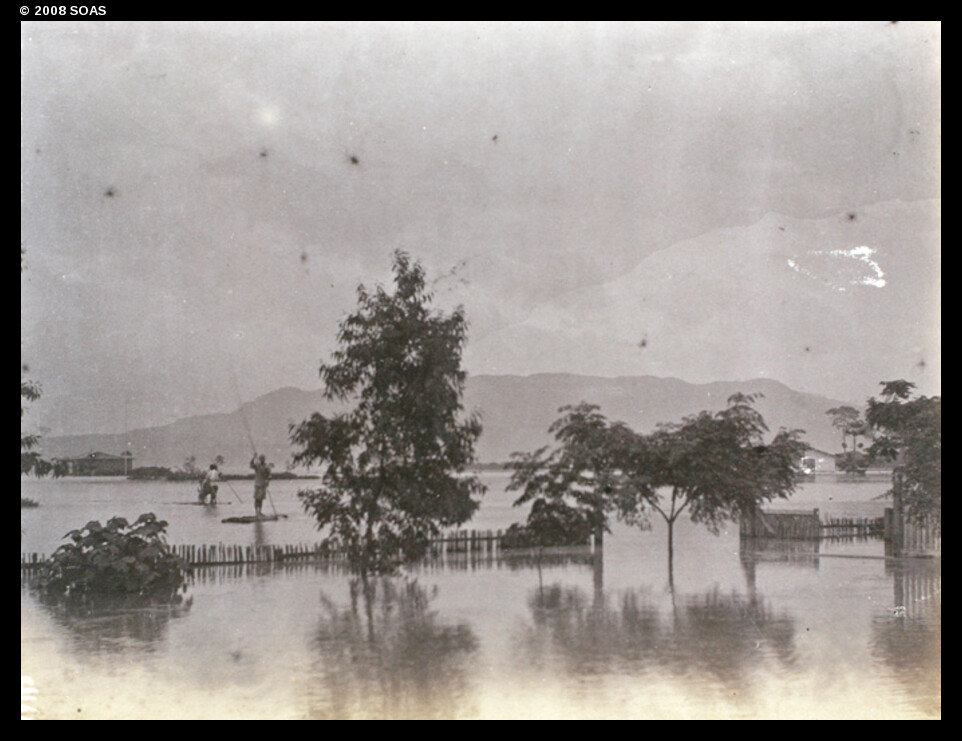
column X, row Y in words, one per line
column 701, row 201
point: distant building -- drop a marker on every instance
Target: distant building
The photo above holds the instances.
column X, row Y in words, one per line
column 99, row 464
column 817, row 461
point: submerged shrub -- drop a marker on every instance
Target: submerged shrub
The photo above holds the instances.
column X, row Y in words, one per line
column 550, row 523
column 116, row 559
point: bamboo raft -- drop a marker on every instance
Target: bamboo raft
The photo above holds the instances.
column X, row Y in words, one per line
column 247, row 519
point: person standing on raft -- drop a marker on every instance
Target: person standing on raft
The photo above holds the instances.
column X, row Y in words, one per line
column 208, row 485
column 262, row 475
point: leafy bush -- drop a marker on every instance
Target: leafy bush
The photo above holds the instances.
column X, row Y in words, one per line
column 852, row 462
column 550, row 523
column 116, row 559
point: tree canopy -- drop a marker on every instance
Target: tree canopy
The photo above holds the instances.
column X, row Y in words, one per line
column 717, row 465
column 848, row 420
column 31, row 460
column 574, row 484
column 714, row 465
column 909, row 431
column 390, row 481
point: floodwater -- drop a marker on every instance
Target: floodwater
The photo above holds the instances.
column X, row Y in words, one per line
column 792, row 631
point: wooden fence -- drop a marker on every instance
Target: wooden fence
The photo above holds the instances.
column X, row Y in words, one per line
column 912, row 538
column 481, row 542
column 807, row 525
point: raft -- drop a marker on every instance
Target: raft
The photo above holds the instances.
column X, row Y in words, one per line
column 202, row 504
column 254, row 518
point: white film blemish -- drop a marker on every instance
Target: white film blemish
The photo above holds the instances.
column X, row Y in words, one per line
column 841, row 268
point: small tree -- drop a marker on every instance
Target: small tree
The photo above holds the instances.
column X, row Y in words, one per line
column 715, row 465
column 909, row 432
column 392, row 462
column 189, row 466
column 31, row 461
column 571, row 488
column 848, row 420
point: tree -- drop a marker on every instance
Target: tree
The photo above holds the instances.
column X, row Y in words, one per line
column 716, row 466
column 31, row 460
column 391, row 479
column 909, row 432
column 571, row 488
column 848, row 420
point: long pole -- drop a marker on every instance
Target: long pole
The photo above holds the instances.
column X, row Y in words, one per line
column 250, row 436
column 239, row 500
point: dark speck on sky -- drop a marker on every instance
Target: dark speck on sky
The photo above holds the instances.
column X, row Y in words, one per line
column 574, row 235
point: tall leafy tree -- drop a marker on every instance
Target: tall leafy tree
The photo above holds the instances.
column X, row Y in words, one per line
column 575, row 485
column 392, row 462
column 714, row 466
column 848, row 420
column 909, row 432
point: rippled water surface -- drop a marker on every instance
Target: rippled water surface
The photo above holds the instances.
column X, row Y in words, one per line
column 794, row 630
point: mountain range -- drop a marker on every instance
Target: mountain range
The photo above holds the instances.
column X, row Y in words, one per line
column 516, row 412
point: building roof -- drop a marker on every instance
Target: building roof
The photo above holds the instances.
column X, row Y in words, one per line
column 98, row 456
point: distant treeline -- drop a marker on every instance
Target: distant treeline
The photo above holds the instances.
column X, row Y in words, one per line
column 160, row 473
column 490, row 466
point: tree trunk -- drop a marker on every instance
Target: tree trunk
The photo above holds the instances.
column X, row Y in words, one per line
column 671, row 554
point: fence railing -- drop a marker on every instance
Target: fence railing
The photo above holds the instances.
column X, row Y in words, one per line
column 483, row 542
column 807, row 525
column 905, row 537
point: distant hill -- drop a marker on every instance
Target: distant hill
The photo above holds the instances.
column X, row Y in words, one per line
column 516, row 412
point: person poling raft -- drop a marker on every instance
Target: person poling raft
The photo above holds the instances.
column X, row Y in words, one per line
column 208, row 486
column 262, row 478
column 262, row 475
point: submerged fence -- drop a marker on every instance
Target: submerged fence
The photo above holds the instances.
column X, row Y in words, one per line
column 807, row 525
column 906, row 537
column 483, row 542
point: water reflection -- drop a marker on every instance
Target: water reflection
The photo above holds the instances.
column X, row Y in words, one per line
column 513, row 560
column 117, row 628
column 715, row 634
column 388, row 655
column 909, row 639
column 599, row 638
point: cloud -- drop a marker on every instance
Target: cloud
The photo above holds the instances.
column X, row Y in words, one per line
column 725, row 305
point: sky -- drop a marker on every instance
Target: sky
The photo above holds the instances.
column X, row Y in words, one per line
column 708, row 201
